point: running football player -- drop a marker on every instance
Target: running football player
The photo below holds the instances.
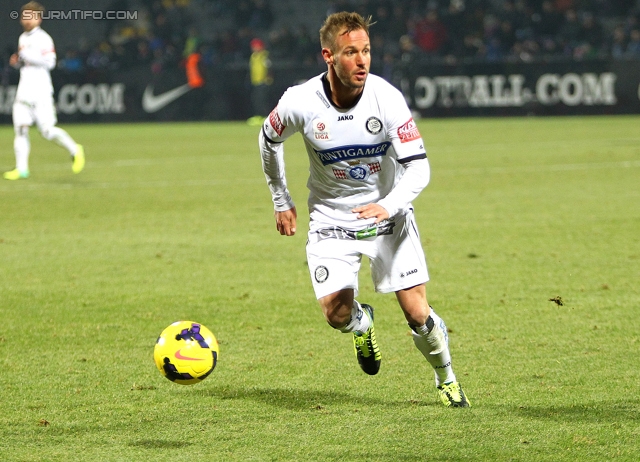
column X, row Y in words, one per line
column 36, row 56
column 367, row 163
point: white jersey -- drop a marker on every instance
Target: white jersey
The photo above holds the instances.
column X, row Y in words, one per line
column 357, row 155
column 37, row 56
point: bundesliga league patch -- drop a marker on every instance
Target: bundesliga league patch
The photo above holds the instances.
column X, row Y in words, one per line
column 359, row 172
column 321, row 130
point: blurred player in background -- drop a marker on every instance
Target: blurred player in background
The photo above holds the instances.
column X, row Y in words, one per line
column 34, row 98
column 367, row 163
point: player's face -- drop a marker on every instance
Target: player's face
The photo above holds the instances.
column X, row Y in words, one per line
column 352, row 58
column 30, row 19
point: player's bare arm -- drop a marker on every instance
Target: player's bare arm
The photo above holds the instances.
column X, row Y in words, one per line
column 286, row 221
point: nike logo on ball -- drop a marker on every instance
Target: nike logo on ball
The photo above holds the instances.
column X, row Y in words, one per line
column 153, row 103
column 186, row 358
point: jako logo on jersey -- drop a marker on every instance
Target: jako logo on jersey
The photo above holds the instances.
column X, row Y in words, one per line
column 320, row 130
column 345, row 117
column 408, row 132
column 276, row 123
column 331, row 156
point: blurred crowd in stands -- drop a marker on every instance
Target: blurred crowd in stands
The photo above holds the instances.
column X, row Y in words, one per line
column 447, row 31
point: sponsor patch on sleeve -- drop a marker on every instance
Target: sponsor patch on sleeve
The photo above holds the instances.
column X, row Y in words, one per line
column 276, row 123
column 408, row 132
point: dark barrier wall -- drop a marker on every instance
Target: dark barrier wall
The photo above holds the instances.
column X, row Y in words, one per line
column 499, row 89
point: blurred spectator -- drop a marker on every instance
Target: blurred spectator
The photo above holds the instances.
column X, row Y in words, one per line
column 409, row 52
column 564, row 5
column 71, row 62
column 506, row 37
column 570, row 31
column 473, row 46
column 100, row 56
column 261, row 17
column 307, row 47
column 243, row 13
column 144, row 55
column 633, row 47
column 397, row 23
column 429, row 33
column 546, row 24
column 591, row 33
column 192, row 42
column 455, row 23
column 618, row 43
column 261, row 79
column 283, row 42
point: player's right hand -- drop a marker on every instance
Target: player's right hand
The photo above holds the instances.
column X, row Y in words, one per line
column 286, row 221
column 13, row 60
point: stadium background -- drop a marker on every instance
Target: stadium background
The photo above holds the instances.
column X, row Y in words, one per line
column 449, row 57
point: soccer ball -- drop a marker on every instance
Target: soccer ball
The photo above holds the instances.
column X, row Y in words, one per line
column 186, row 352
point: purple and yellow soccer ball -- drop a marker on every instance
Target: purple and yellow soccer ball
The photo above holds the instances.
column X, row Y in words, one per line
column 186, row 352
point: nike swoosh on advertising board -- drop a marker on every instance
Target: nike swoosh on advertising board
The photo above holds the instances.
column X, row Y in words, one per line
column 153, row 103
column 186, row 358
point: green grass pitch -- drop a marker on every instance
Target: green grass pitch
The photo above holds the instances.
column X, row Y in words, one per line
column 174, row 221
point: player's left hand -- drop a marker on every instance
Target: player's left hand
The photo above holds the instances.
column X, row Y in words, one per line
column 286, row 221
column 371, row 211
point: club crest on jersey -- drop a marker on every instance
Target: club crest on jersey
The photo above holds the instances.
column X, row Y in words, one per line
column 373, row 125
column 408, row 131
column 321, row 130
column 359, row 172
column 349, row 153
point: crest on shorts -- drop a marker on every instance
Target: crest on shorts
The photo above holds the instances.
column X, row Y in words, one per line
column 321, row 274
column 373, row 125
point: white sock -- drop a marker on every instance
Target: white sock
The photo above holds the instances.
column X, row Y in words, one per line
column 21, row 147
column 359, row 321
column 62, row 138
column 434, row 346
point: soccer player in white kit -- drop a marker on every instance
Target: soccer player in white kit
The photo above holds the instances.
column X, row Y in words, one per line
column 36, row 56
column 367, row 163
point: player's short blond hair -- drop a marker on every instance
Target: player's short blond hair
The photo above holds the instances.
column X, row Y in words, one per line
column 341, row 23
column 32, row 6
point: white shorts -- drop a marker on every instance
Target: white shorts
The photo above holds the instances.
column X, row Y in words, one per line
column 396, row 257
column 42, row 113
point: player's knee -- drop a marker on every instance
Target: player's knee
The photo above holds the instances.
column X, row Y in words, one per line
column 47, row 133
column 337, row 322
column 337, row 309
column 21, row 130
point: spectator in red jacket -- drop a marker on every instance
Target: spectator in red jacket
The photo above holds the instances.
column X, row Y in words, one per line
column 430, row 34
